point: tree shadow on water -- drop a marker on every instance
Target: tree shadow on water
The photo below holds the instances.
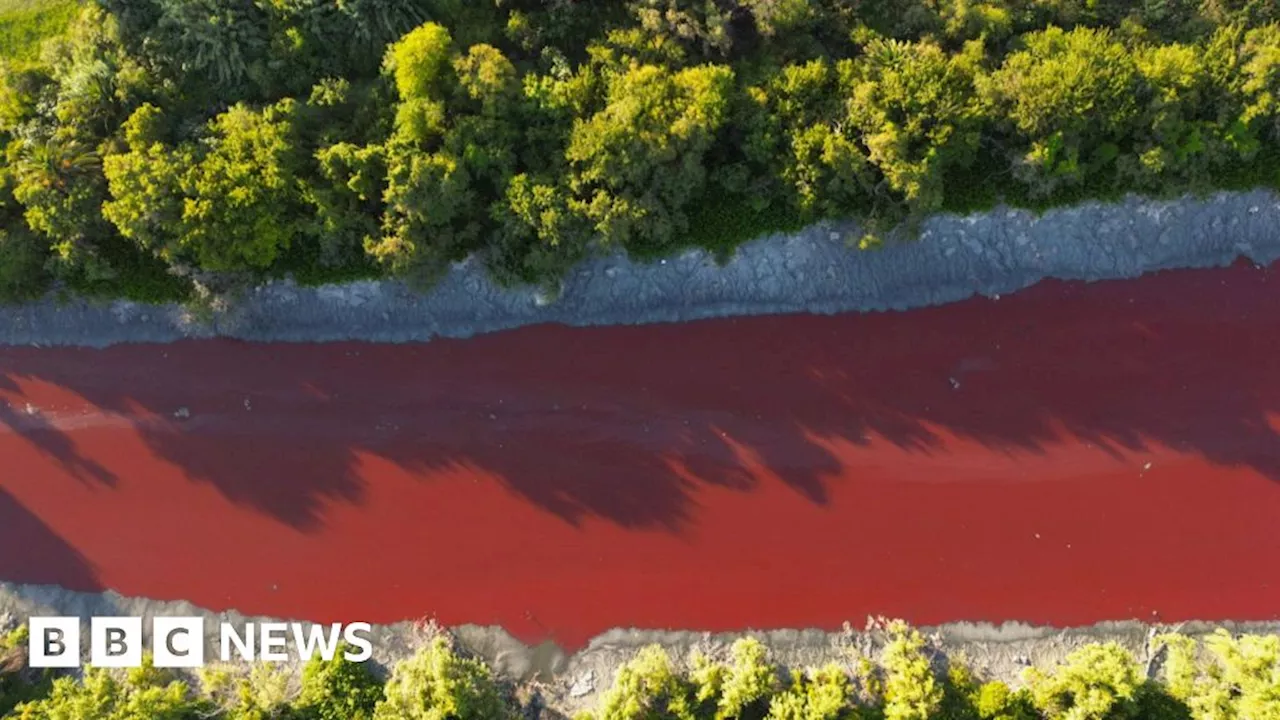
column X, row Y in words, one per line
column 34, row 553
column 630, row 424
column 51, row 441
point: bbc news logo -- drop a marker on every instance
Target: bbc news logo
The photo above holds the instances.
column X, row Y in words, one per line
column 179, row 642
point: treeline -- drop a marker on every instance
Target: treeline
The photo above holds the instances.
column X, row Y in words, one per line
column 1222, row 677
column 159, row 142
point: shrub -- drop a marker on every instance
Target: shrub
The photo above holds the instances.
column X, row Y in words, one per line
column 339, row 689
column 144, row 693
column 742, row 687
column 1240, row 679
column 911, row 690
column 823, row 694
column 646, row 687
column 439, row 684
column 1095, row 682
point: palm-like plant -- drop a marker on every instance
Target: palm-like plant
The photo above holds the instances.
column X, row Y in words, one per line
column 55, row 163
column 378, row 22
column 220, row 37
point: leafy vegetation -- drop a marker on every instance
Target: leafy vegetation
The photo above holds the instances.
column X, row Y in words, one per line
column 151, row 146
column 24, row 24
column 1219, row 677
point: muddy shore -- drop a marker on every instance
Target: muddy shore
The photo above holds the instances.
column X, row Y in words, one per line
column 811, row 271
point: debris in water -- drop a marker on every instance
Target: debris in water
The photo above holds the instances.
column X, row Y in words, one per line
column 182, row 413
column 955, row 384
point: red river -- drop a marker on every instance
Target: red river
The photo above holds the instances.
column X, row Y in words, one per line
column 1069, row 454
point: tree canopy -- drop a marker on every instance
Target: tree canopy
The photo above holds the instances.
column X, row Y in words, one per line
column 157, row 140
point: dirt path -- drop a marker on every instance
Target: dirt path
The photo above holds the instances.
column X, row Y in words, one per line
column 1069, row 454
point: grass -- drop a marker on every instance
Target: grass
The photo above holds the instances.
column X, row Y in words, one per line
column 25, row 24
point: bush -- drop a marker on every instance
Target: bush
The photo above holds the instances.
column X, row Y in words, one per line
column 1093, row 683
column 17, row 683
column 438, row 684
column 141, row 694
column 911, row 690
column 338, row 689
column 1218, row 678
column 646, row 687
column 823, row 694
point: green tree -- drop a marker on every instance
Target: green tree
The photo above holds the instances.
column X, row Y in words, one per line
column 701, row 26
column 486, row 115
column 1260, row 70
column 774, row 18
column 233, row 203
column 799, row 131
column 433, row 215
column 911, row 691
column 347, row 198
column 225, row 41
column 93, row 82
column 337, row 38
column 243, row 199
column 453, row 152
column 1239, row 678
column 918, row 113
column 142, row 694
column 1182, row 136
column 420, row 62
column 741, row 688
column 996, row 701
column 638, row 162
column 338, row 689
column 146, row 184
column 438, row 684
column 60, row 185
column 538, row 235
column 1095, row 682
column 823, row 694
column 1071, row 100
column 647, row 688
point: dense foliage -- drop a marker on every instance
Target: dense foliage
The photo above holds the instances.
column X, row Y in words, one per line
column 1221, row 677
column 159, row 142
column 24, row 24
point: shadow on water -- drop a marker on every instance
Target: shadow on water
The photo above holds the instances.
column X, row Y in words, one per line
column 37, row 554
column 625, row 424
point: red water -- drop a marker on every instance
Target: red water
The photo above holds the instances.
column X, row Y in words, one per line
column 1070, row 454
